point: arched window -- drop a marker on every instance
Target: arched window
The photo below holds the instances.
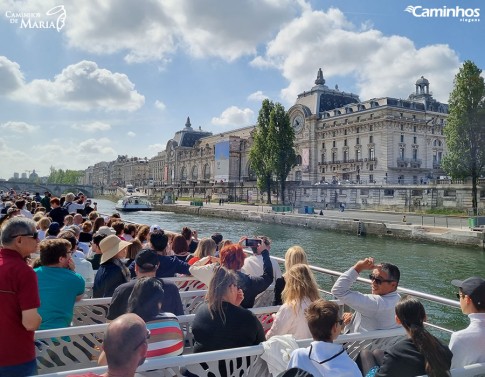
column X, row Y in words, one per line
column 298, row 160
column 207, row 171
column 183, row 173
column 195, row 173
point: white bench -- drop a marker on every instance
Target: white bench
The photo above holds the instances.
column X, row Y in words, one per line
column 79, row 346
column 244, row 361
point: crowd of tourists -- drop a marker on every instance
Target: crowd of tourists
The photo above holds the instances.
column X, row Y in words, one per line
column 54, row 249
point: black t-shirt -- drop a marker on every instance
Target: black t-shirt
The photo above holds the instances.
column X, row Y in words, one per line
column 172, row 302
column 240, row 329
column 404, row 360
column 57, row 215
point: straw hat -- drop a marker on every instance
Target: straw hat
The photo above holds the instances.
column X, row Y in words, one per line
column 110, row 246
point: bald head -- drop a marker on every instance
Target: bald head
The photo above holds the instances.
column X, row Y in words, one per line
column 123, row 340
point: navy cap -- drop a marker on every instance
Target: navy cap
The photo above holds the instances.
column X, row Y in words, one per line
column 474, row 288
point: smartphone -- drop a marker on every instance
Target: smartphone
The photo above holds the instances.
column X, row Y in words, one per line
column 251, row 242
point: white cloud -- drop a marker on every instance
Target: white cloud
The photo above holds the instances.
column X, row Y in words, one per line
column 81, row 86
column 130, row 134
column 257, row 96
column 380, row 65
column 92, row 127
column 234, row 116
column 19, row 127
column 155, row 148
column 160, row 105
column 157, row 29
column 10, row 76
column 69, row 153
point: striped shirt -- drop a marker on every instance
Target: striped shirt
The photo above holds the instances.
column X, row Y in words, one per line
column 166, row 337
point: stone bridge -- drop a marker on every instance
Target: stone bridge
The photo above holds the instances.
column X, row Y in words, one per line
column 54, row 188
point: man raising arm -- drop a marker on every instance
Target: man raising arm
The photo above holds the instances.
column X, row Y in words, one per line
column 374, row 311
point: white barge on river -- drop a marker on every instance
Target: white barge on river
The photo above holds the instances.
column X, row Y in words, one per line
column 133, row 203
column 74, row 350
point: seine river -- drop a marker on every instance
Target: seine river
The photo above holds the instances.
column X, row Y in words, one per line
column 424, row 267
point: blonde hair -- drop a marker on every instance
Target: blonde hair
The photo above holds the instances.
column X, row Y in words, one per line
column 206, row 247
column 221, row 281
column 295, row 255
column 300, row 283
column 68, row 220
column 44, row 223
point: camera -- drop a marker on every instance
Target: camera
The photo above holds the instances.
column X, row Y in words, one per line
column 251, row 242
column 95, row 203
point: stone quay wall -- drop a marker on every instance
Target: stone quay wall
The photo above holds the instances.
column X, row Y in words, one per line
column 449, row 236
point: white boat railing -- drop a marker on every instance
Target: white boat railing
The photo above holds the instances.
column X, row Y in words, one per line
column 236, row 360
column 73, row 347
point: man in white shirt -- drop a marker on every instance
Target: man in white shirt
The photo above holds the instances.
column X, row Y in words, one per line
column 468, row 345
column 253, row 265
column 373, row 311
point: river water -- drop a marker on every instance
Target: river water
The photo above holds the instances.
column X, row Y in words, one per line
column 424, row 267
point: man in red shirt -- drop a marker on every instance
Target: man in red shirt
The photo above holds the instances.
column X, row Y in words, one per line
column 19, row 298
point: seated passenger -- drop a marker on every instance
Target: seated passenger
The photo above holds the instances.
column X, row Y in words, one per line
column 59, row 286
column 232, row 257
column 294, row 255
column 373, row 311
column 146, row 265
column 421, row 353
column 169, row 265
column 254, row 264
column 468, row 345
column 112, row 272
column 124, row 347
column 166, row 337
column 206, row 247
column 300, row 291
column 323, row 357
column 221, row 323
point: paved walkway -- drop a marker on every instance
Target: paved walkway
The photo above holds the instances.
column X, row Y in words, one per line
column 388, row 217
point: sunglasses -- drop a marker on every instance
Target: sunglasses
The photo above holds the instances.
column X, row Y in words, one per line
column 35, row 235
column 144, row 340
column 378, row 280
column 459, row 295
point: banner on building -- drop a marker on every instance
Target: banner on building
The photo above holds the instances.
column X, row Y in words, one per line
column 221, row 172
column 165, row 174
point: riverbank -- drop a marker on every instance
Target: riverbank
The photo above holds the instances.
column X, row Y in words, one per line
column 362, row 223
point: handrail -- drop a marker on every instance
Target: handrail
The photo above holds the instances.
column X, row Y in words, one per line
column 182, row 360
column 107, row 300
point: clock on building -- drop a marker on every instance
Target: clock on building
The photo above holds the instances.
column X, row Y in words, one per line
column 298, row 122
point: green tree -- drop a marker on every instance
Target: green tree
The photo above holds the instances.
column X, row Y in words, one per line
column 281, row 140
column 465, row 129
column 260, row 156
column 67, row 177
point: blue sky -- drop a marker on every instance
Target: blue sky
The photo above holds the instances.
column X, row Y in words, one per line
column 121, row 76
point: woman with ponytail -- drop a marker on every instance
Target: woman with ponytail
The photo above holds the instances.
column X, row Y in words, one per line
column 421, row 353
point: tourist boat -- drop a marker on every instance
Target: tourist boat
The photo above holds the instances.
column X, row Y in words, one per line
column 74, row 350
column 133, row 203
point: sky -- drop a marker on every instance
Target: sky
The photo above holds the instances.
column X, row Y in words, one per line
column 85, row 81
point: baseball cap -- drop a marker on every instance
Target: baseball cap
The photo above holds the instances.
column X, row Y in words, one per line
column 155, row 228
column 147, row 259
column 54, row 229
column 473, row 287
column 105, row 230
